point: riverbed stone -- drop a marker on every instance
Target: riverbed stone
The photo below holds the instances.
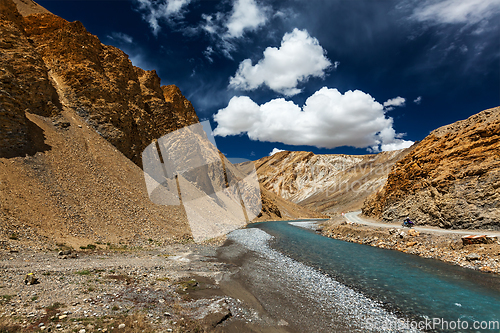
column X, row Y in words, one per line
column 473, row 257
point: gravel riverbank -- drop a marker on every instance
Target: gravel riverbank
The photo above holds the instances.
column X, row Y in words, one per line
column 299, row 297
column 173, row 288
column 242, row 286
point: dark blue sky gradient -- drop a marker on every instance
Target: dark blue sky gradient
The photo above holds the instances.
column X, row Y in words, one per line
column 454, row 67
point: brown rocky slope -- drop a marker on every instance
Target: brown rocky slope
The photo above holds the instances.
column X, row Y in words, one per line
column 51, row 63
column 24, row 86
column 75, row 116
column 451, row 179
column 59, row 180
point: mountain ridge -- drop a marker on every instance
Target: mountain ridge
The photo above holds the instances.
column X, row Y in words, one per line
column 49, row 56
column 327, row 183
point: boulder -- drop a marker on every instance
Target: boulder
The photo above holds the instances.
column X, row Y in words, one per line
column 473, row 257
column 413, row 232
column 474, row 239
column 30, row 279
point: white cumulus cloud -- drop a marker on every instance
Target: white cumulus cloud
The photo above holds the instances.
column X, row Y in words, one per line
column 155, row 11
column 456, row 11
column 328, row 119
column 225, row 28
column 246, row 15
column 400, row 144
column 275, row 150
column 418, row 100
column 393, row 102
column 299, row 57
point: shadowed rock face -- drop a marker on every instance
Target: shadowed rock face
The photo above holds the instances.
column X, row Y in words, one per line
column 451, row 179
column 52, row 64
column 25, row 86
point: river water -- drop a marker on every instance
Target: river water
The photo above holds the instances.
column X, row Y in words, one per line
column 414, row 289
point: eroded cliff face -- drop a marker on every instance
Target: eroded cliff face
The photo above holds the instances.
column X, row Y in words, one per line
column 325, row 183
column 451, row 179
column 52, row 64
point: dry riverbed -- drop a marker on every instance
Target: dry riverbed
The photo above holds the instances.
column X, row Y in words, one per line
column 445, row 247
column 173, row 288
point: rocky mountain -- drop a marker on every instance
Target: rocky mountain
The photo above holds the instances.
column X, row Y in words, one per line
column 28, row 7
column 451, row 179
column 75, row 117
column 326, row 183
column 51, row 64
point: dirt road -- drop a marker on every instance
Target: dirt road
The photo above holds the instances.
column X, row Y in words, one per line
column 355, row 217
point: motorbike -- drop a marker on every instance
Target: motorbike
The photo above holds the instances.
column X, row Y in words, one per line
column 408, row 224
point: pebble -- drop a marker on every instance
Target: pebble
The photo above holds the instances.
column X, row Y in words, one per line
column 121, row 326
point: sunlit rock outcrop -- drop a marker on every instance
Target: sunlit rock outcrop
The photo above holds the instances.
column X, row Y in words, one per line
column 451, row 179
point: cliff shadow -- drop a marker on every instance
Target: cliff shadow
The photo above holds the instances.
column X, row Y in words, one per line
column 34, row 142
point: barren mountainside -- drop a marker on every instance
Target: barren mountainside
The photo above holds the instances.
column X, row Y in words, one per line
column 51, row 64
column 59, row 179
column 75, row 117
column 451, row 179
column 325, row 183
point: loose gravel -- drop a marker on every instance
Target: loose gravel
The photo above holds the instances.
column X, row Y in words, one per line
column 312, row 225
column 96, row 288
column 331, row 306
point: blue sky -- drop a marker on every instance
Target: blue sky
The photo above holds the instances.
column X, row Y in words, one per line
column 328, row 76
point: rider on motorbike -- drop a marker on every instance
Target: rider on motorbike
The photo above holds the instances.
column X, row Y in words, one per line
column 408, row 223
